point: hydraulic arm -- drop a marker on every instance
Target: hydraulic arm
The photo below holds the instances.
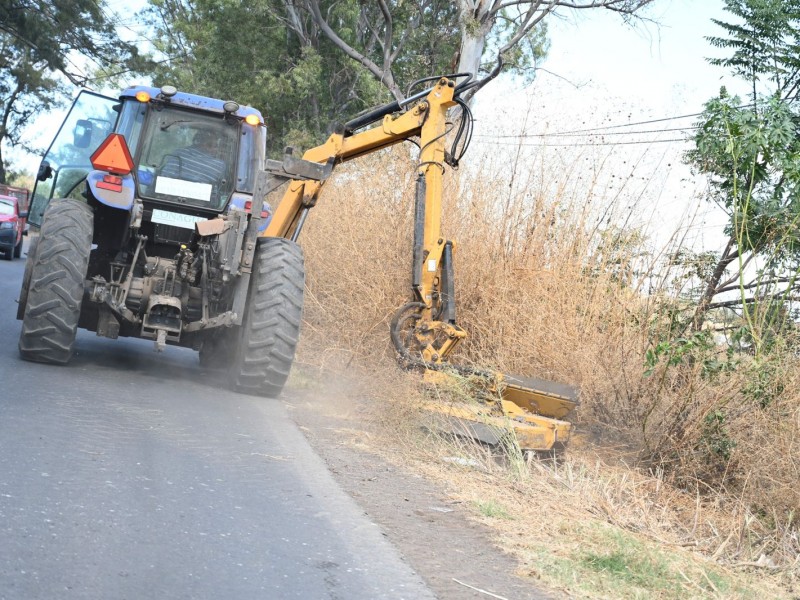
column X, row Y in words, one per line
column 424, row 330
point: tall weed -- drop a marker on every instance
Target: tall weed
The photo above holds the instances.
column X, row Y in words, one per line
column 559, row 282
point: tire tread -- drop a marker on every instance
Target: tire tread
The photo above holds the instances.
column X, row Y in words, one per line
column 55, row 293
column 271, row 325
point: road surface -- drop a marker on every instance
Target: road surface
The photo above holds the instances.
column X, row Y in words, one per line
column 132, row 474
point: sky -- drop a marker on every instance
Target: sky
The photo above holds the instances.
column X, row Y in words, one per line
column 605, row 76
column 600, row 72
column 662, row 62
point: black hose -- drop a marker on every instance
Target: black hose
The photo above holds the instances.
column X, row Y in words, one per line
column 410, row 362
column 437, row 78
column 374, row 114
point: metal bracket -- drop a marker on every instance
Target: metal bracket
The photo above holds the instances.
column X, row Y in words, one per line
column 297, row 168
column 225, row 319
column 277, row 172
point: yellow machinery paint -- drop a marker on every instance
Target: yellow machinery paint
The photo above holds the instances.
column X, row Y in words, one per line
column 423, row 330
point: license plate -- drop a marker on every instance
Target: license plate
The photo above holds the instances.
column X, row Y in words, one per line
column 165, row 217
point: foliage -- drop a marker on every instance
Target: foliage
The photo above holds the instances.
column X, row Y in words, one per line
column 21, row 179
column 765, row 46
column 314, row 64
column 697, row 348
column 715, row 435
column 43, row 42
column 273, row 55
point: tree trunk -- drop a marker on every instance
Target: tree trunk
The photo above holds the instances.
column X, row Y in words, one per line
column 728, row 256
column 475, row 27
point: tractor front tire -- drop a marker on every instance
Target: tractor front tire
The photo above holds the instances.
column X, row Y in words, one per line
column 55, row 290
column 271, row 326
column 18, row 249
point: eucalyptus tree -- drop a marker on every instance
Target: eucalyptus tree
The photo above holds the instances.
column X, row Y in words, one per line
column 493, row 36
column 314, row 63
column 284, row 57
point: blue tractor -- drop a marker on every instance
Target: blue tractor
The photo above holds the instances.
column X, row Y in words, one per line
column 149, row 208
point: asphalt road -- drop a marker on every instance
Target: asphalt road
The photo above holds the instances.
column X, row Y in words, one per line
column 131, row 474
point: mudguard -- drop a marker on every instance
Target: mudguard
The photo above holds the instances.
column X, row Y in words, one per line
column 116, row 195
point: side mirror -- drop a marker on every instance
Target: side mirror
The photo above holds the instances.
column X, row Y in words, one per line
column 82, row 134
column 23, row 214
column 45, row 171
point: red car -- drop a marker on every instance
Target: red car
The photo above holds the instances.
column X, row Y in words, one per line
column 12, row 223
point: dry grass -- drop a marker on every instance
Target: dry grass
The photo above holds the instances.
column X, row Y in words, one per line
column 549, row 285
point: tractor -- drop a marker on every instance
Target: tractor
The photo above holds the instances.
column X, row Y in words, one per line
column 154, row 223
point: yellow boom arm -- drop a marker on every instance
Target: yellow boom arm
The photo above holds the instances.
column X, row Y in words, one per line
column 427, row 120
column 424, row 330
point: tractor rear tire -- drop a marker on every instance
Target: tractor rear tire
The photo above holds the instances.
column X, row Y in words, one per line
column 55, row 290
column 271, row 325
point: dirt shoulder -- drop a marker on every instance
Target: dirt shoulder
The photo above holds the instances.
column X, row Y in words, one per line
column 430, row 529
column 480, row 523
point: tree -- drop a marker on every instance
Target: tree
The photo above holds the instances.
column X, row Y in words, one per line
column 750, row 152
column 315, row 63
column 494, row 36
column 42, row 40
column 276, row 55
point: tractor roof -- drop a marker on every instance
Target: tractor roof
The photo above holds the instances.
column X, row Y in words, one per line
column 191, row 101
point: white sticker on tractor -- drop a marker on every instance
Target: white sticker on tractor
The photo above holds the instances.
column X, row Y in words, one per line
column 182, row 188
column 165, row 217
column 431, row 266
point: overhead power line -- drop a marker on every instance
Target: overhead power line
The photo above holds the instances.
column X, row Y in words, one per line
column 584, row 135
column 607, row 127
column 549, row 145
column 575, row 132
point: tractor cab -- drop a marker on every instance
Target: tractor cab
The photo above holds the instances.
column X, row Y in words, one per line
column 189, row 154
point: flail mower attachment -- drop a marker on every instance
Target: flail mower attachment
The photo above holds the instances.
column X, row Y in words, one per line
column 533, row 409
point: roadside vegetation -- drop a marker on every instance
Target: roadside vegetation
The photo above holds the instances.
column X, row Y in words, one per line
column 682, row 477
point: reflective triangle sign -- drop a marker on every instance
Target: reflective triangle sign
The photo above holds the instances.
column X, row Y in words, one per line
column 113, row 156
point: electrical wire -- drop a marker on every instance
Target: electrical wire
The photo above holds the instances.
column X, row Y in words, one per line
column 604, row 128
column 585, row 135
column 575, row 145
column 574, row 132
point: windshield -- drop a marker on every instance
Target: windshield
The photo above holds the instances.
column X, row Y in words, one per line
column 188, row 158
column 6, row 208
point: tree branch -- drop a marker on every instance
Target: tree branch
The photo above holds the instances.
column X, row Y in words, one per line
column 731, row 303
column 387, row 33
column 384, row 75
column 755, row 284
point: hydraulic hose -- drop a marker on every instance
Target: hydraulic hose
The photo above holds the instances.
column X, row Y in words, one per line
column 379, row 112
column 403, row 314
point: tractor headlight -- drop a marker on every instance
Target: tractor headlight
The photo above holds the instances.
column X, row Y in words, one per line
column 6, row 225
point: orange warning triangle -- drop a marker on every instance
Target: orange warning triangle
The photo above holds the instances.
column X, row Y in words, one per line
column 113, row 156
